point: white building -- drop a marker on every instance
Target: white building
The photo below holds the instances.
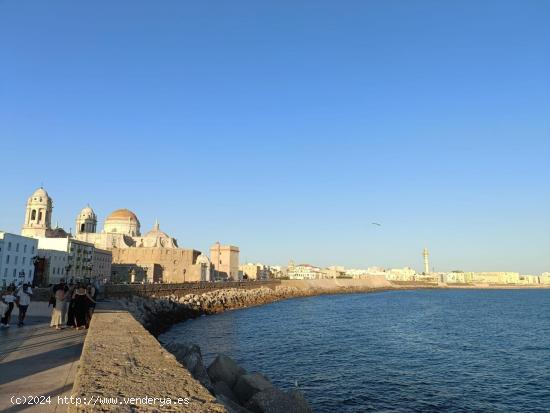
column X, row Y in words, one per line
column 304, row 272
column 16, row 258
column 55, row 265
column 101, row 265
column 401, row 274
column 79, row 255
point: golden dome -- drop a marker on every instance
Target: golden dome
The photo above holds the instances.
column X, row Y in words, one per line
column 122, row 215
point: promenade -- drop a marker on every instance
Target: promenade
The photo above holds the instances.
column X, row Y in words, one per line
column 36, row 360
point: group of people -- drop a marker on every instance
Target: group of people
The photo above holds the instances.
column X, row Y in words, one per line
column 73, row 304
column 15, row 296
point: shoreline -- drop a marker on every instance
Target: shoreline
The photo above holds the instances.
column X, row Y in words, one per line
column 159, row 313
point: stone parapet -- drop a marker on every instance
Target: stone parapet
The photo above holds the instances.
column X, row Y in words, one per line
column 179, row 289
column 121, row 360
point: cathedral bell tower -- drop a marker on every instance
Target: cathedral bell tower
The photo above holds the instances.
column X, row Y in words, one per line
column 86, row 222
column 38, row 215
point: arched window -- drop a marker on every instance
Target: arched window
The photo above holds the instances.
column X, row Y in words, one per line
column 82, row 227
column 33, row 215
column 39, row 216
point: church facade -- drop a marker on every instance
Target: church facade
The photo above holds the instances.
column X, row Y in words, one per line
column 151, row 257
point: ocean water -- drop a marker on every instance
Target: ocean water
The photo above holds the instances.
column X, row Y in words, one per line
column 398, row 351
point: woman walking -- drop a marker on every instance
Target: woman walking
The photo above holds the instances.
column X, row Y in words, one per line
column 70, row 305
column 82, row 301
column 59, row 312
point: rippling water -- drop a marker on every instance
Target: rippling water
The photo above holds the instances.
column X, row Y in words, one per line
column 424, row 351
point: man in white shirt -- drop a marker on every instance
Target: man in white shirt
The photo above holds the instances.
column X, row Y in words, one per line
column 24, row 299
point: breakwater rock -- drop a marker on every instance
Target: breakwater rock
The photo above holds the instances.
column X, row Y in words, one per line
column 160, row 313
column 238, row 390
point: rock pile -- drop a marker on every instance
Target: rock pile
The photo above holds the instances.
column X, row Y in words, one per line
column 238, row 390
column 159, row 314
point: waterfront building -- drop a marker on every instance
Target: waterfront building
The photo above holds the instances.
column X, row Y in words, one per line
column 304, row 272
column 225, row 260
column 155, row 254
column 52, row 266
column 101, row 265
column 256, row 271
column 401, row 274
column 545, row 278
column 334, row 271
column 79, row 256
column 17, row 257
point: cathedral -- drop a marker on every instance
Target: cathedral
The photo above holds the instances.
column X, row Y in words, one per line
column 153, row 257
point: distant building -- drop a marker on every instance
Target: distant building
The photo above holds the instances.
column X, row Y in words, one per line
column 225, row 260
column 101, row 265
column 304, row 272
column 17, row 256
column 401, row 274
column 53, row 265
column 79, row 256
column 254, row 271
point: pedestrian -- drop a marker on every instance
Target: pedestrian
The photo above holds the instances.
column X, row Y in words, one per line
column 59, row 312
column 70, row 304
column 82, row 301
column 92, row 292
column 23, row 300
column 9, row 300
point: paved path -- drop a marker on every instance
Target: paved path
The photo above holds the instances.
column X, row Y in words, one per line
column 37, row 360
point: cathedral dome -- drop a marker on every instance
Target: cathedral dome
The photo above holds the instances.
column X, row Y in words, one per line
column 122, row 215
column 158, row 238
column 40, row 192
column 122, row 221
column 87, row 212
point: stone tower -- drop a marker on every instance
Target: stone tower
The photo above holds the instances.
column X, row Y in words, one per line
column 38, row 215
column 86, row 222
column 426, row 256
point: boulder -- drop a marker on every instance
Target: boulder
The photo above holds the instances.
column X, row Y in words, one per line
column 225, row 369
column 230, row 405
column 248, row 385
column 190, row 356
column 273, row 400
column 221, row 388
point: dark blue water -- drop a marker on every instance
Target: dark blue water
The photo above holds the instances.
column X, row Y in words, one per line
column 421, row 351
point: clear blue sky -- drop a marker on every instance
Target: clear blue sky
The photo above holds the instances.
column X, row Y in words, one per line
column 288, row 127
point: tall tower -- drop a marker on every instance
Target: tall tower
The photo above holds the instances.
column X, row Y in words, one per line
column 86, row 221
column 38, row 215
column 426, row 256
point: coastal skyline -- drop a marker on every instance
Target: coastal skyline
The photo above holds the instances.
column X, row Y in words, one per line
column 289, row 143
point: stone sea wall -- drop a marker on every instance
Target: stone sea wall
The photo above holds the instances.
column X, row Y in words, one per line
column 158, row 313
column 123, row 368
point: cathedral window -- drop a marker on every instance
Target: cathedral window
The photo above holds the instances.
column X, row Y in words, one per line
column 33, row 214
column 39, row 216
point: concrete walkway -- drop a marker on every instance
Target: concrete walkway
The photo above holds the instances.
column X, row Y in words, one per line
column 36, row 360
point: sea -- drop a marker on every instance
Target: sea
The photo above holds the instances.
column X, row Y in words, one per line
column 453, row 350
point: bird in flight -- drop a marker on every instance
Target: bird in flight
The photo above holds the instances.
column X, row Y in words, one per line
column 377, row 224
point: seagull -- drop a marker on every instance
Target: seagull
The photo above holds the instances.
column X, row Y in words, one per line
column 377, row 224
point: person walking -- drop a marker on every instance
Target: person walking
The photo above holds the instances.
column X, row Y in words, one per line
column 81, row 300
column 9, row 299
column 59, row 312
column 23, row 301
column 70, row 304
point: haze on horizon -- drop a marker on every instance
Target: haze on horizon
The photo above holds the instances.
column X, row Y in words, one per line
column 287, row 128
